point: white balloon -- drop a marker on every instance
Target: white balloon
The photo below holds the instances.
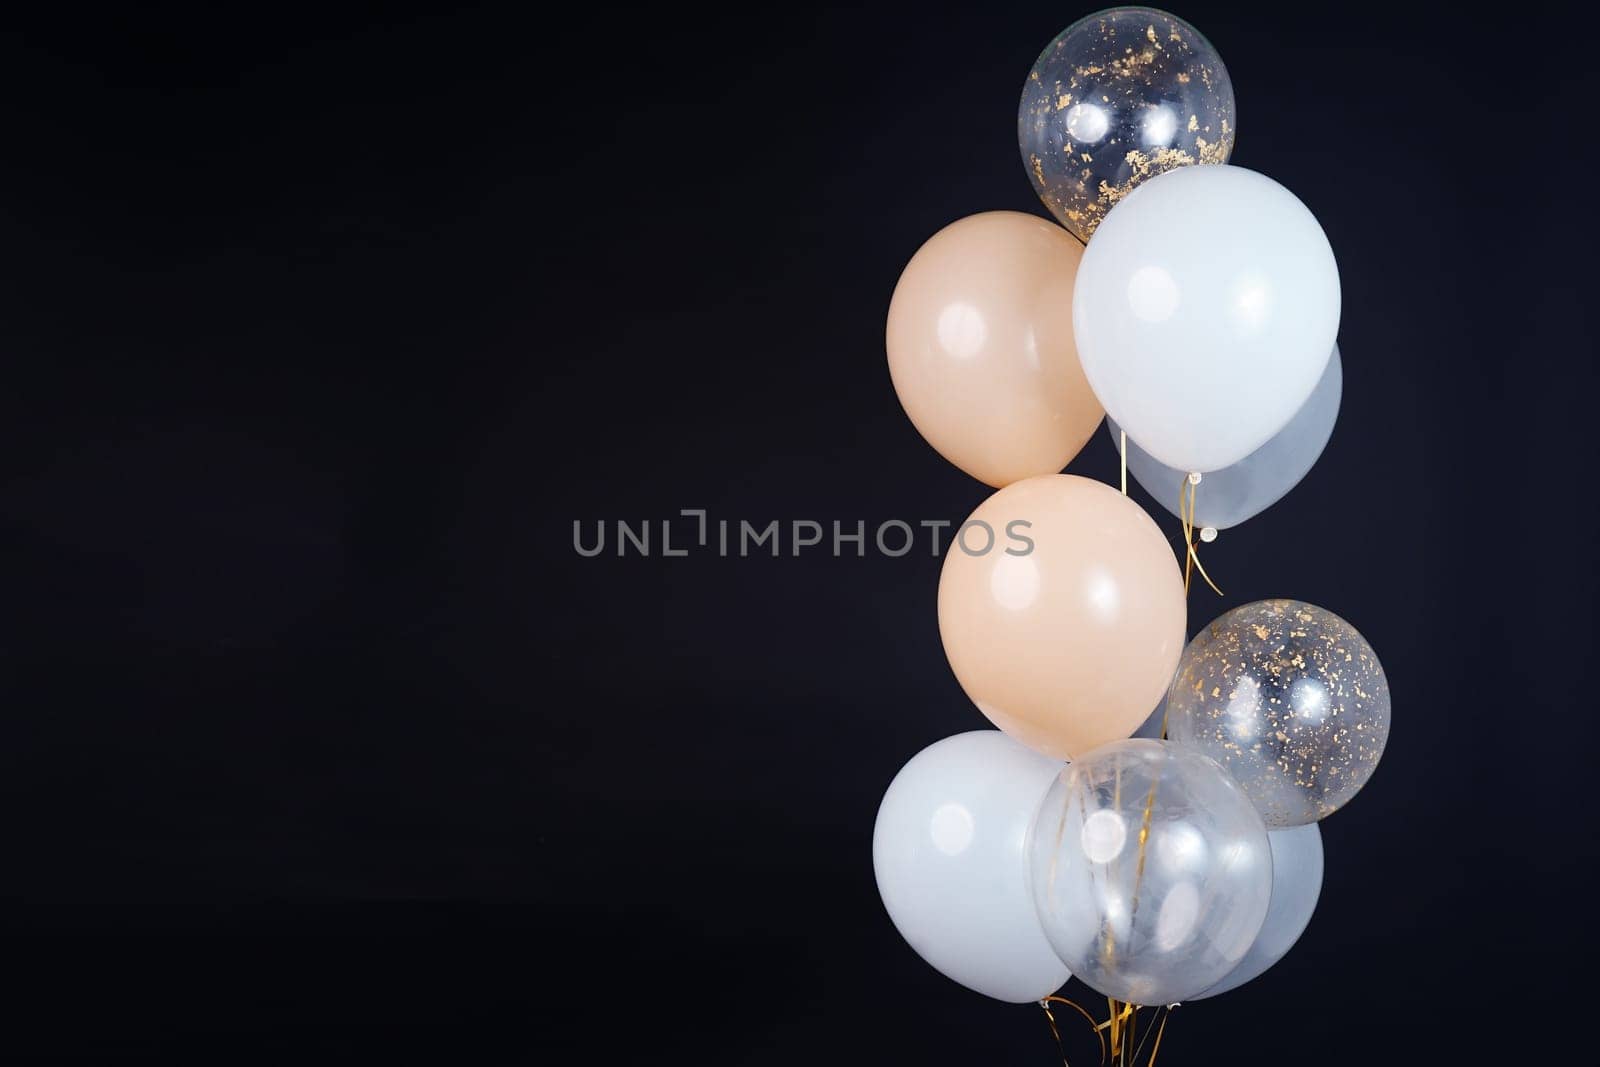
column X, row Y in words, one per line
column 949, row 854
column 1205, row 310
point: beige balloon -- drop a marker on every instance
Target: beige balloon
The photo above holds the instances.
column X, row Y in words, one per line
column 981, row 348
column 1068, row 629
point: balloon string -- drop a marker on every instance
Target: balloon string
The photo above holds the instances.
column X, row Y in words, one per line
column 1191, row 561
column 1121, row 1014
column 1159, row 1032
column 1045, row 1003
column 1055, row 1031
column 1126, row 1043
column 1151, row 1062
column 1124, row 451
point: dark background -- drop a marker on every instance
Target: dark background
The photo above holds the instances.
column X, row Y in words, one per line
column 320, row 328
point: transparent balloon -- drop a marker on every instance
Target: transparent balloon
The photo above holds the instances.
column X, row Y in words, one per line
column 1151, row 871
column 1119, row 97
column 1288, row 697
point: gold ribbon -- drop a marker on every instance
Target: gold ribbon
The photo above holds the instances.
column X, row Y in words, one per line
column 1121, row 1015
column 1124, row 451
column 1160, row 1030
column 1050, row 1016
column 1191, row 562
column 1126, row 1045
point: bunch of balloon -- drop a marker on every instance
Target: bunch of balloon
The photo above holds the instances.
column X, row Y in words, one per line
column 1193, row 305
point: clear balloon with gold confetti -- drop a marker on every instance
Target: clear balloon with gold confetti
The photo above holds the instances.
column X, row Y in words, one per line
column 1290, row 699
column 1119, row 97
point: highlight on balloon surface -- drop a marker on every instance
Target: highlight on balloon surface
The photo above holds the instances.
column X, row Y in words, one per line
column 1229, row 496
column 947, row 851
column 1205, row 311
column 1120, row 97
column 1289, row 698
column 1066, row 641
column 981, row 347
column 1151, row 871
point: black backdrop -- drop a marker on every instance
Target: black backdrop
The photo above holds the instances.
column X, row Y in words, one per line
column 320, row 328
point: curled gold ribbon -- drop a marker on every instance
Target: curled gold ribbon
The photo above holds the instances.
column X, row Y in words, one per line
column 1126, row 1043
column 1045, row 1003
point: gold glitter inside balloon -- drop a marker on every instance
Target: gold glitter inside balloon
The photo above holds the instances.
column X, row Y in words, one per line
column 1290, row 699
column 1118, row 98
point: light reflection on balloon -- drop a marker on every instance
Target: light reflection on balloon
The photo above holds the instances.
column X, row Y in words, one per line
column 951, row 829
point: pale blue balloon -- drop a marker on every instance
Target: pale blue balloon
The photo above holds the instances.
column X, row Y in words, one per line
column 1233, row 494
column 1296, row 885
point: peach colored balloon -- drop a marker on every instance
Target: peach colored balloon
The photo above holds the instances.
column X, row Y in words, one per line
column 1068, row 645
column 981, row 348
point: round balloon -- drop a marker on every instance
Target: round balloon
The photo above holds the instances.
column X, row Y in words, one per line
column 1290, row 699
column 947, row 850
column 1205, row 311
column 1296, row 885
column 1151, row 871
column 1118, row 98
column 1233, row 494
column 981, row 349
column 1062, row 612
